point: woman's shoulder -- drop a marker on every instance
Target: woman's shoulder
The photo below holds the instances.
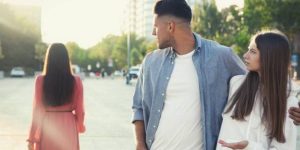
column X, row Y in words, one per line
column 39, row 78
column 237, row 80
column 77, row 80
column 76, row 77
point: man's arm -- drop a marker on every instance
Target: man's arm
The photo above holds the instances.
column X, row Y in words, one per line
column 295, row 114
column 138, row 117
column 139, row 129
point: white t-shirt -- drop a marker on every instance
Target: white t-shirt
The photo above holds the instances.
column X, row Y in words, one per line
column 179, row 127
column 252, row 128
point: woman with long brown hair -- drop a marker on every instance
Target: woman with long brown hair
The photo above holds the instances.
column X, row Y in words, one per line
column 256, row 114
column 58, row 112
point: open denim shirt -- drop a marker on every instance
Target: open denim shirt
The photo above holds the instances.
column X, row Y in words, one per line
column 215, row 65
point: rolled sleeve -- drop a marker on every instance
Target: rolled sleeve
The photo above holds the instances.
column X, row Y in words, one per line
column 137, row 115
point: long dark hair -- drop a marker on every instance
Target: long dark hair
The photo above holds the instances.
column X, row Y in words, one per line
column 58, row 78
column 270, row 86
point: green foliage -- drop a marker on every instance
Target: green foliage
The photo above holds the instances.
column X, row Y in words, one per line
column 40, row 51
column 234, row 27
column 18, row 38
column 115, row 47
column 1, row 53
column 207, row 19
column 77, row 54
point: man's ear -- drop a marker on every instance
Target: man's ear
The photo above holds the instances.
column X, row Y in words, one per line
column 171, row 27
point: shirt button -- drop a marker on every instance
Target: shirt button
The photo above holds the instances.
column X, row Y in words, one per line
column 150, row 141
column 162, row 94
column 158, row 110
column 167, row 78
column 154, row 126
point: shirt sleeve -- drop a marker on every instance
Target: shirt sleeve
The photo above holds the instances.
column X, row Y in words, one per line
column 234, row 63
column 138, row 97
column 79, row 109
column 290, row 133
column 37, row 113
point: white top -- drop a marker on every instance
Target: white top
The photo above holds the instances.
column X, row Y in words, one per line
column 179, row 127
column 252, row 128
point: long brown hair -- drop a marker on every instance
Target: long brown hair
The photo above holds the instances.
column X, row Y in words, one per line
column 58, row 78
column 271, row 86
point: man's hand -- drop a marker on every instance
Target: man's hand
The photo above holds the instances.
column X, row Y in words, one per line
column 141, row 146
column 295, row 114
column 234, row 146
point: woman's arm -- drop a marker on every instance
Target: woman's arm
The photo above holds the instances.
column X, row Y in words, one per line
column 79, row 110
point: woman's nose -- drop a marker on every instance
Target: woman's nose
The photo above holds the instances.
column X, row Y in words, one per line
column 245, row 55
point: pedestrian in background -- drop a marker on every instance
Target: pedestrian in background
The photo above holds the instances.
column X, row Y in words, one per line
column 58, row 111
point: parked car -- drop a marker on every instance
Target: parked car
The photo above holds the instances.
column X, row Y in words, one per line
column 17, row 72
column 134, row 72
column 118, row 73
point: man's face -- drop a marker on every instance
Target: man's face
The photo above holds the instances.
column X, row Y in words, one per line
column 161, row 32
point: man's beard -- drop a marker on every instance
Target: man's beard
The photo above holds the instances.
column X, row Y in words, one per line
column 164, row 44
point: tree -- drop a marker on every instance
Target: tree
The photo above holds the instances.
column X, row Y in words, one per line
column 257, row 15
column 1, row 54
column 40, row 52
column 226, row 27
column 136, row 57
column 233, row 32
column 18, row 39
column 206, row 19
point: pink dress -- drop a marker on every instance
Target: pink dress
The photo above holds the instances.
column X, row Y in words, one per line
column 57, row 128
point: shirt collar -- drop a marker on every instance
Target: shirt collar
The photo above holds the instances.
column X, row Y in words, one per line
column 197, row 38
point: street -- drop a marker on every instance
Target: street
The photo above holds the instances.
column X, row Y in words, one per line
column 108, row 114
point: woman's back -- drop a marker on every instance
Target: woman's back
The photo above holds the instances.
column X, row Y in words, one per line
column 57, row 127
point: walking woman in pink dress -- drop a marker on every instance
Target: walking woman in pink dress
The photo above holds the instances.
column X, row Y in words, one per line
column 58, row 111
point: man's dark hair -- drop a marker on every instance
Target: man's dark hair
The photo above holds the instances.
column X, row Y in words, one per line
column 177, row 8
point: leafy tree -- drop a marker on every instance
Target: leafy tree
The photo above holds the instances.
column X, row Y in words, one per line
column 206, row 19
column 1, row 54
column 40, row 52
column 17, row 46
column 77, row 54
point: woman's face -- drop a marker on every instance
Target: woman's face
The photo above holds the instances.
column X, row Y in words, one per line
column 252, row 57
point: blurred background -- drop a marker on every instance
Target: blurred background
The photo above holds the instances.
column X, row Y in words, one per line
column 97, row 33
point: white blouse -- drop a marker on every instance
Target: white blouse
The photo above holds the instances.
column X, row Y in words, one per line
column 252, row 128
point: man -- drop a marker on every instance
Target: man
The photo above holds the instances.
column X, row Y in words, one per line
column 183, row 86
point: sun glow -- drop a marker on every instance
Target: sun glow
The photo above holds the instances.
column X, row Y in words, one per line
column 83, row 21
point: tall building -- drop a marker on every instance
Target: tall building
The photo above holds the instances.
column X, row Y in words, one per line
column 138, row 17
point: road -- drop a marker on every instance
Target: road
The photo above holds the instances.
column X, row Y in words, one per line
column 108, row 114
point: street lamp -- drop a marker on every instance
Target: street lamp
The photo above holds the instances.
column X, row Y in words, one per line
column 128, row 58
column 128, row 46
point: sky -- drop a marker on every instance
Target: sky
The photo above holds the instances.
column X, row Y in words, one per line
column 84, row 21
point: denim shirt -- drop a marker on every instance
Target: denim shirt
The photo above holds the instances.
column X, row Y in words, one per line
column 215, row 65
